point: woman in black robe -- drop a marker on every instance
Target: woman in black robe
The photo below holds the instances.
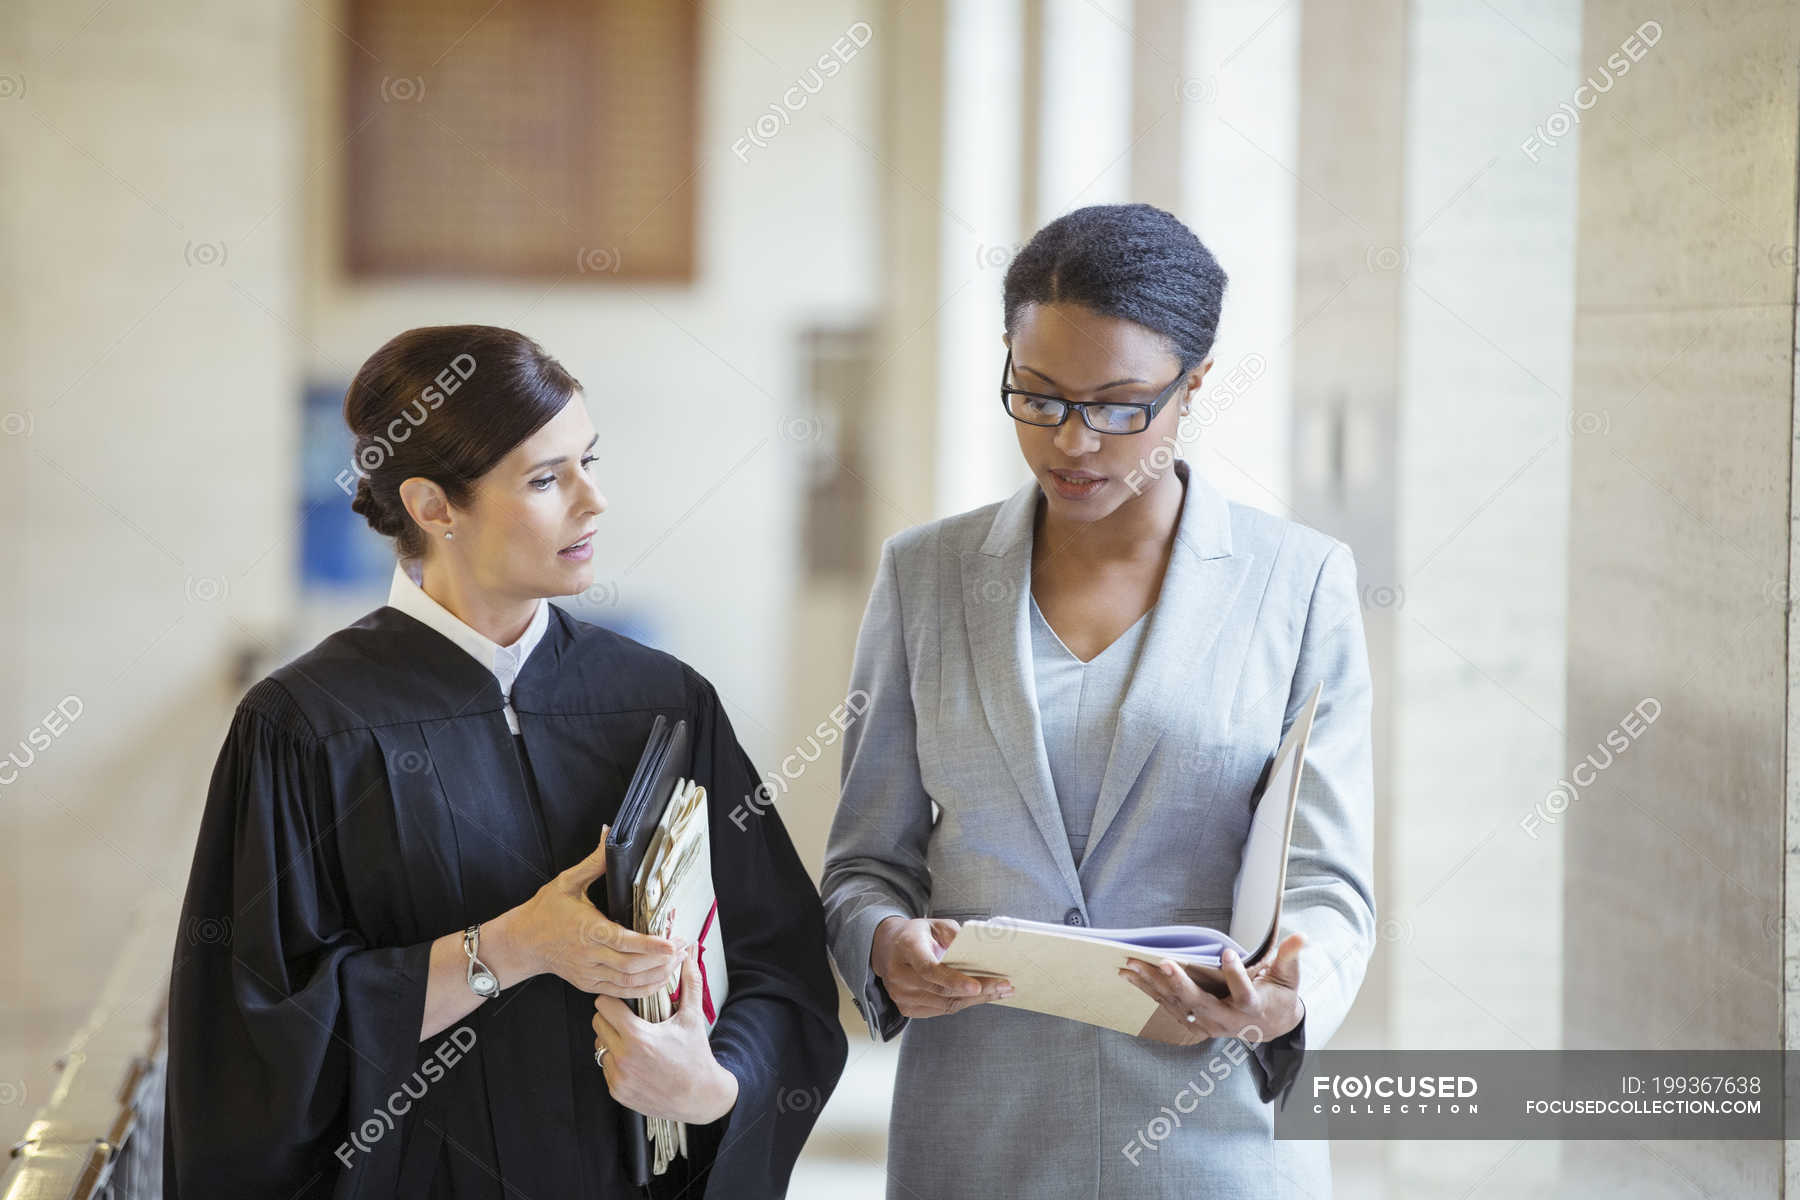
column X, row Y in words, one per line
column 379, row 795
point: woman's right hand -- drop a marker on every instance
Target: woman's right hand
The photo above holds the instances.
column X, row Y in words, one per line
column 905, row 955
column 559, row 931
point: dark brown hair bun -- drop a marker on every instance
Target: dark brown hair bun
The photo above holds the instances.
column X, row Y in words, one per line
column 445, row 402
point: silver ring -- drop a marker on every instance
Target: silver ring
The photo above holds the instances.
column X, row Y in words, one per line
column 600, row 1057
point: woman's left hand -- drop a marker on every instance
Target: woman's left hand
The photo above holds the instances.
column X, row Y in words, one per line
column 1258, row 1008
column 664, row 1068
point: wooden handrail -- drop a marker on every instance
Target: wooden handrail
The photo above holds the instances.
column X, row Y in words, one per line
column 103, row 1122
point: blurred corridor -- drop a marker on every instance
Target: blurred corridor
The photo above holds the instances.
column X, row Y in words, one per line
column 1511, row 311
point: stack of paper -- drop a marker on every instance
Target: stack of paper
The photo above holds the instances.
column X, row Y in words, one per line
column 675, row 898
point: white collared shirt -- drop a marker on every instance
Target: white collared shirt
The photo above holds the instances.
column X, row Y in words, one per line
column 409, row 597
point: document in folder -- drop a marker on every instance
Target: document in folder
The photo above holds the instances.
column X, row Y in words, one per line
column 659, row 881
column 675, row 898
column 1072, row 972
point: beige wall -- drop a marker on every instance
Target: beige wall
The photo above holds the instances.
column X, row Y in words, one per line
column 1482, row 441
column 1346, row 346
column 149, row 156
column 1679, row 551
column 16, row 1051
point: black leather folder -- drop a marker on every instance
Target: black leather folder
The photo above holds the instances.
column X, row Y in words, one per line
column 663, row 764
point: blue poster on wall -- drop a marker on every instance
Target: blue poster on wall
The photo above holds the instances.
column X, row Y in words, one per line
column 338, row 550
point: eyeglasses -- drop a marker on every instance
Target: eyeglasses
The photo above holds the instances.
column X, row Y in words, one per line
column 1034, row 408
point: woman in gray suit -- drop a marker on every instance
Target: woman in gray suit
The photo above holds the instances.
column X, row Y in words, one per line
column 1074, row 694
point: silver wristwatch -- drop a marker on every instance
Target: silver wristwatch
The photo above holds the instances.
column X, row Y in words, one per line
column 482, row 981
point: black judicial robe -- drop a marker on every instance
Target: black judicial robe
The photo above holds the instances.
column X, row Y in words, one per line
column 370, row 798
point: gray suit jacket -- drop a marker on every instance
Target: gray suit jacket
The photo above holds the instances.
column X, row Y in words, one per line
column 947, row 809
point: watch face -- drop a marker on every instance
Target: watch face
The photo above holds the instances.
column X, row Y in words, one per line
column 483, row 984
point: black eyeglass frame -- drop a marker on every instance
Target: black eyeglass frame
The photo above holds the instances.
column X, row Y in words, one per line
column 1150, row 410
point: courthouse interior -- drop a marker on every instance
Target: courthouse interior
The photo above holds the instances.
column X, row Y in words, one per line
column 1512, row 311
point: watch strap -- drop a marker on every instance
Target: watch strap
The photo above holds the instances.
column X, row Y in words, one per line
column 482, row 981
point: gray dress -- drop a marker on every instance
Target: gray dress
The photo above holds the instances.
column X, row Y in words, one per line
column 1078, row 704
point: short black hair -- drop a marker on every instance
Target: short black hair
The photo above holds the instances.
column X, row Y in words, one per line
column 1132, row 261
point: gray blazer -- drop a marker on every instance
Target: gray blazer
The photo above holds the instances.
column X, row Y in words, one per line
column 947, row 809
